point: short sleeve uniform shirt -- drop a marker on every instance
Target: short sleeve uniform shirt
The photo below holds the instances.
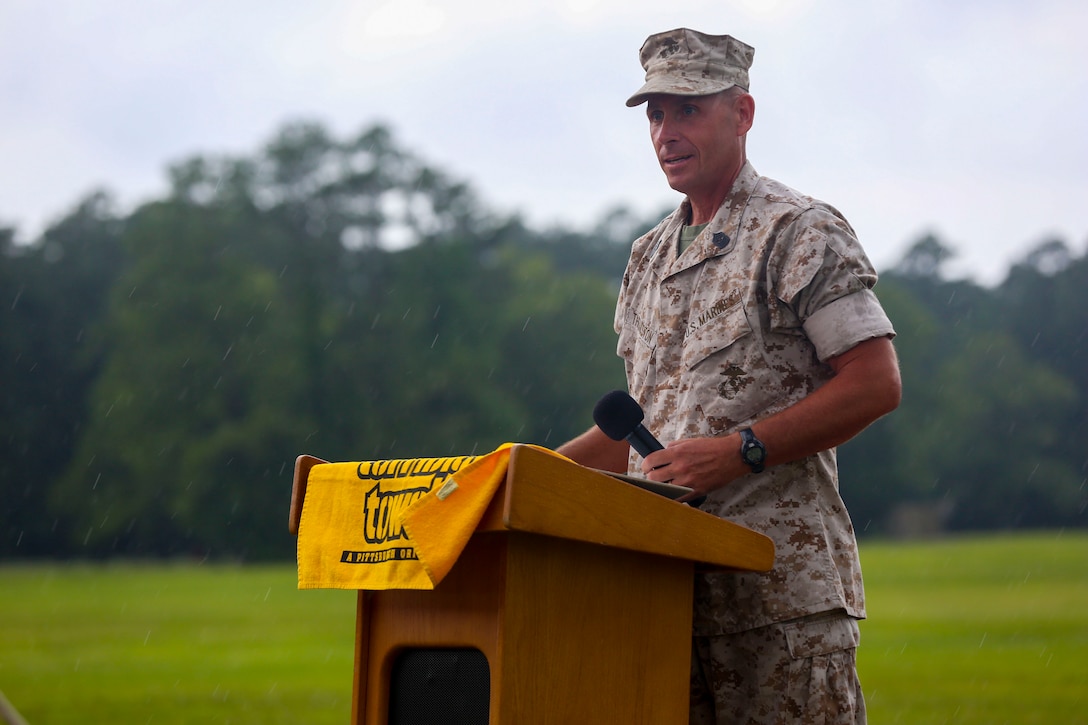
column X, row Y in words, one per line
column 735, row 329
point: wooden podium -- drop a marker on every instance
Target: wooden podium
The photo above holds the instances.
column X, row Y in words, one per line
column 577, row 589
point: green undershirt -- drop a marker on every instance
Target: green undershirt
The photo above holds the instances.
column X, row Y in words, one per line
column 688, row 235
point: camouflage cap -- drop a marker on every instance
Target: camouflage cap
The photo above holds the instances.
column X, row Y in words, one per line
column 686, row 62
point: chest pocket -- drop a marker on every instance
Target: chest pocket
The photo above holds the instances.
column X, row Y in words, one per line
column 730, row 381
column 715, row 335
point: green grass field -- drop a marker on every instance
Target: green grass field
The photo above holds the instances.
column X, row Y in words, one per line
column 977, row 630
column 173, row 644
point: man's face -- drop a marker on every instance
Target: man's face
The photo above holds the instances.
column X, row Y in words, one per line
column 699, row 142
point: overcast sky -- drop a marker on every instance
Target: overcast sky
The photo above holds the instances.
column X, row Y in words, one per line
column 968, row 119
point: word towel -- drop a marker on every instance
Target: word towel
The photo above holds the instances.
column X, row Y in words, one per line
column 397, row 524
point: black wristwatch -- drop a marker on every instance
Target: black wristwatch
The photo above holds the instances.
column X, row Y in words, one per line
column 752, row 450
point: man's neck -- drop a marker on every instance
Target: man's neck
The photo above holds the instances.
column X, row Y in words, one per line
column 704, row 209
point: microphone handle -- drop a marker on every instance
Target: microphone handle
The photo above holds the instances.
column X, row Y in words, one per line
column 643, row 441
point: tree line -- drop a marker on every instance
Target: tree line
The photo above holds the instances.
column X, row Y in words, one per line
column 340, row 297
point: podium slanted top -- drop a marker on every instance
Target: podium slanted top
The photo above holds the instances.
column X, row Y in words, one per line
column 549, row 496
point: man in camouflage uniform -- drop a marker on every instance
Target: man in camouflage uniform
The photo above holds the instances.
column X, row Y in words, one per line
column 746, row 319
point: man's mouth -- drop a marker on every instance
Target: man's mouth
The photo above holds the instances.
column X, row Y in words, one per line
column 669, row 160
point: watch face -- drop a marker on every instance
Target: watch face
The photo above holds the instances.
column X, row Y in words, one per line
column 753, row 455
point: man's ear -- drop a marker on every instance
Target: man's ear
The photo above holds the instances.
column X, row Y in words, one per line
column 745, row 108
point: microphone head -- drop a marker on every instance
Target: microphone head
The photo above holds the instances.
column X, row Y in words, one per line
column 617, row 414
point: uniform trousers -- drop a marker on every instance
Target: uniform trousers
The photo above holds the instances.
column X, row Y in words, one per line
column 800, row 671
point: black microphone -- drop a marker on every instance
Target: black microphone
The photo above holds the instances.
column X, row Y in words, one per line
column 620, row 417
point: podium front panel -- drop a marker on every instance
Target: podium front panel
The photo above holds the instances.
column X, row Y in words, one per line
column 571, row 632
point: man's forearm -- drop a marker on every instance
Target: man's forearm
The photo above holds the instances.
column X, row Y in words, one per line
column 865, row 387
column 596, row 450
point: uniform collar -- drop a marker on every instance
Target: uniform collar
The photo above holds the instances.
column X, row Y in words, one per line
column 720, row 235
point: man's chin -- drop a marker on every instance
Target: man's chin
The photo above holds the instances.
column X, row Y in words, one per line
column 675, row 181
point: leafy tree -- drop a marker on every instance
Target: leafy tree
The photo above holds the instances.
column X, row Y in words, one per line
column 995, row 441
column 1044, row 306
column 54, row 292
column 982, row 416
column 194, row 383
column 261, row 316
column 558, row 349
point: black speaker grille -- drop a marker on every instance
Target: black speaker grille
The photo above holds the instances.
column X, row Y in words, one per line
column 440, row 687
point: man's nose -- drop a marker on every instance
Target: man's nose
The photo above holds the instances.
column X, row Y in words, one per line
column 665, row 130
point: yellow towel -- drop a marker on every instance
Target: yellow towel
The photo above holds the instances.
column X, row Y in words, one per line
column 393, row 524
column 441, row 523
column 351, row 534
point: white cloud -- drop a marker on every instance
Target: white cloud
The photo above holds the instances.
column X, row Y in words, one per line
column 404, row 18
